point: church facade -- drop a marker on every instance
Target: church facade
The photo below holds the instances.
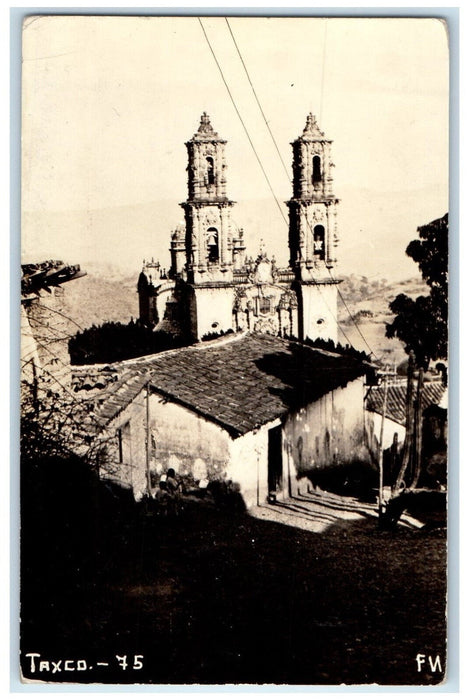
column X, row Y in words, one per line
column 212, row 287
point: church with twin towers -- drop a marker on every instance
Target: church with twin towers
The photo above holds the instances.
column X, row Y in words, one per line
column 213, row 287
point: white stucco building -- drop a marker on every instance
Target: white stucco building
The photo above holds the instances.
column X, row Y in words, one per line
column 212, row 286
column 261, row 411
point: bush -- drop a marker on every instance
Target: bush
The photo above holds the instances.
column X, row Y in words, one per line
column 113, row 342
column 330, row 346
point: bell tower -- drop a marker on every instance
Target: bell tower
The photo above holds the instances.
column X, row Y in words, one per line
column 210, row 246
column 313, row 233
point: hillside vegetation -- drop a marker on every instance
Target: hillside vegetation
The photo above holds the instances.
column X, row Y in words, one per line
column 363, row 310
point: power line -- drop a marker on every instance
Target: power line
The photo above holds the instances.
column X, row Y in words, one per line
column 261, row 166
column 323, row 70
column 353, row 320
column 277, row 149
column 288, row 176
column 257, row 99
column 60, row 313
column 242, row 122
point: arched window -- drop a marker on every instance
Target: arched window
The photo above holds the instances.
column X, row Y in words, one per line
column 319, row 242
column 317, row 176
column 212, row 245
column 210, row 171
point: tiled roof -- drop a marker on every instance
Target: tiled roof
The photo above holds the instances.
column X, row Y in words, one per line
column 241, row 382
column 396, row 399
column 119, row 394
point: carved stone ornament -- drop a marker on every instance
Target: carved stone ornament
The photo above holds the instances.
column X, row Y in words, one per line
column 267, row 325
column 205, row 127
column 211, row 219
column 239, row 299
column 312, row 128
column 263, row 273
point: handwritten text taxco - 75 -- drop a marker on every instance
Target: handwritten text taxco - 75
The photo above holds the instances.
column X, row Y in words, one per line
column 40, row 665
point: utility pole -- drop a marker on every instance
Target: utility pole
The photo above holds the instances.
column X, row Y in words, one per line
column 381, row 451
column 418, row 431
column 409, row 425
column 148, row 438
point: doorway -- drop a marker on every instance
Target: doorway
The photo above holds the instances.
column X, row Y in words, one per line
column 274, row 464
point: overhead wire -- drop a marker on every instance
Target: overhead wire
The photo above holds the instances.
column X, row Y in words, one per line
column 255, row 151
column 257, row 99
column 260, row 162
column 354, row 322
column 288, row 175
column 60, row 313
column 321, row 100
column 242, row 121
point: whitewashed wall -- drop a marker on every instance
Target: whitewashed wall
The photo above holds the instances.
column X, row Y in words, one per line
column 329, row 431
column 373, row 425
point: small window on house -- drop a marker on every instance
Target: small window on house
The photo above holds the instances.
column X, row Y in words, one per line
column 210, row 171
column 123, row 443
column 212, row 245
column 319, row 242
column 317, row 176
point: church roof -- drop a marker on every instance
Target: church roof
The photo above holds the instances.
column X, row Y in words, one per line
column 239, row 382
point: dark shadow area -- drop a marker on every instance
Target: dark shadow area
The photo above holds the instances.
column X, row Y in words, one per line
column 113, row 342
column 426, row 505
column 355, row 478
column 303, row 375
column 214, row 595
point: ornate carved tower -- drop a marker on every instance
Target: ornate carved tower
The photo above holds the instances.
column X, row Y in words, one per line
column 313, row 233
column 211, row 247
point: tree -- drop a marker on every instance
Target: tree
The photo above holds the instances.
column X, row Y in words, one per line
column 113, row 342
column 422, row 325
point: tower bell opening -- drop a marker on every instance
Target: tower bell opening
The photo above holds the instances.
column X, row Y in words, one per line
column 210, row 171
column 319, row 240
column 317, row 176
column 212, row 245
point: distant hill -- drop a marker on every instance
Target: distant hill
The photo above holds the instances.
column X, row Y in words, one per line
column 374, row 230
column 104, row 294
column 364, row 311
column 100, row 297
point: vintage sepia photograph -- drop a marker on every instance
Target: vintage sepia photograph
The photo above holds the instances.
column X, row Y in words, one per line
column 234, row 350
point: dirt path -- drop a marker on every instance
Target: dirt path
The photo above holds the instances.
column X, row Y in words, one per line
column 315, row 512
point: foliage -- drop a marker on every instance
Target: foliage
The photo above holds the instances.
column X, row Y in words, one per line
column 329, row 345
column 356, row 288
column 421, row 324
column 54, row 423
column 113, row 341
column 215, row 334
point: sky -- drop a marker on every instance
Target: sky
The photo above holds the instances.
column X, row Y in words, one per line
column 108, row 103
